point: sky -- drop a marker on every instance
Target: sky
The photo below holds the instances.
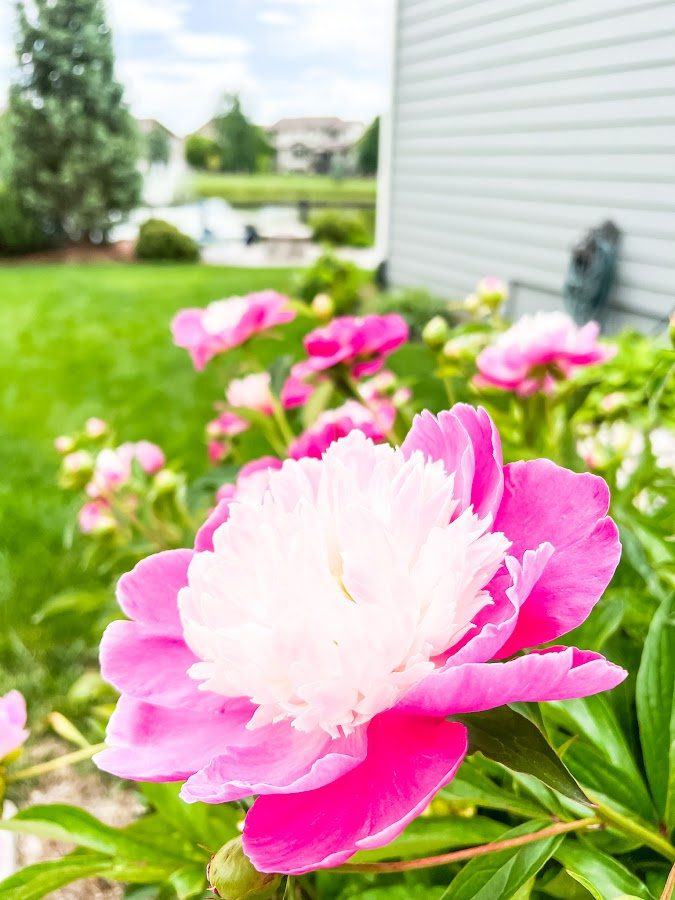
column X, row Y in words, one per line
column 284, row 57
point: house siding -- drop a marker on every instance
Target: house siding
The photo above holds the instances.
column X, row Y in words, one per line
column 516, row 126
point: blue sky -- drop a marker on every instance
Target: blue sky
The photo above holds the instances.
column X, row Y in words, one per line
column 285, row 57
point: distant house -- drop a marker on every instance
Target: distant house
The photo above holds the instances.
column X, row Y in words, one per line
column 515, row 126
column 315, row 144
column 147, row 126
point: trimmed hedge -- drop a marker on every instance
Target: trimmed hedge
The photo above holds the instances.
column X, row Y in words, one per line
column 159, row 240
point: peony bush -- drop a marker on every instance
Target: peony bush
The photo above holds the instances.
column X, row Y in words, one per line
column 389, row 645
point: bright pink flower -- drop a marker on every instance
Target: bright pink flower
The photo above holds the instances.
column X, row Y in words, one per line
column 314, row 644
column 362, row 344
column 227, row 424
column 96, row 517
column 113, row 468
column 251, row 392
column 333, row 424
column 224, row 324
column 12, row 723
column 538, row 349
column 295, row 392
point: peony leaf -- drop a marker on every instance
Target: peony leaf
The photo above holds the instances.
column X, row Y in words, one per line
column 513, row 741
column 655, row 700
column 205, row 826
column 603, row 877
column 40, row 880
column 504, row 873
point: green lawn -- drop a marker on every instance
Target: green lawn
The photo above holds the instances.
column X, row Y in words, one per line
column 77, row 341
column 247, row 190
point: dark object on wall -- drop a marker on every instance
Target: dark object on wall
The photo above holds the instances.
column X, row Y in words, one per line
column 590, row 274
column 251, row 235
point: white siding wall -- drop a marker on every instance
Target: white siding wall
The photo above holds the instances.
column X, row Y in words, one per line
column 515, row 126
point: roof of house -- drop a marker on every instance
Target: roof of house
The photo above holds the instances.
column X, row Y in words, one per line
column 302, row 122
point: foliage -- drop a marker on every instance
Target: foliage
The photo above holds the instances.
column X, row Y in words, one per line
column 20, row 230
column 367, row 149
column 415, row 305
column 340, row 279
column 75, row 143
column 202, row 152
column 247, row 190
column 157, row 146
column 159, row 240
column 339, row 227
column 242, row 146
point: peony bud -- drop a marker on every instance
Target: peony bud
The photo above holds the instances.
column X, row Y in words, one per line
column 95, row 427
column 64, row 443
column 435, row 332
column 464, row 347
column 323, row 307
column 166, row 481
column 492, row 292
column 671, row 329
column 232, row 876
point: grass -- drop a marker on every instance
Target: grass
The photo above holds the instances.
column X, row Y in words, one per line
column 249, row 190
column 77, row 341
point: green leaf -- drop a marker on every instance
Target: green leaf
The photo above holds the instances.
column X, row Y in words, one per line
column 67, row 823
column 205, row 826
column 502, row 874
column 429, row 835
column 38, row 881
column 189, row 881
column 655, row 700
column 513, row 741
column 604, row 877
column 473, row 787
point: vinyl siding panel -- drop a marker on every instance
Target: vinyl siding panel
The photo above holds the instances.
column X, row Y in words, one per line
column 517, row 125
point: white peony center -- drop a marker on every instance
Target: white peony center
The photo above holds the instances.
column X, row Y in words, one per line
column 222, row 315
column 330, row 596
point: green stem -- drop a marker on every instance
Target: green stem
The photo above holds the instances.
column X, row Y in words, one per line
column 350, row 388
column 471, row 852
column 449, row 390
column 282, row 423
column 634, row 829
column 53, row 764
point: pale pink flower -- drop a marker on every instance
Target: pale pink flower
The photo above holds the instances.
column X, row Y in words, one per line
column 333, row 424
column 538, row 350
column 64, row 443
column 224, row 324
column 227, row 424
column 113, row 467
column 315, row 643
column 95, row 427
column 251, row 392
column 13, row 717
column 78, row 461
column 96, row 517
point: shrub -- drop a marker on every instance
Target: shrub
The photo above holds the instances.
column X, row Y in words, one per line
column 337, row 227
column 340, row 279
column 20, row 231
column 202, row 152
column 161, row 240
column 416, row 306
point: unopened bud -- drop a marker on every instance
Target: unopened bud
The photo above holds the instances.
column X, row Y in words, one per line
column 435, row 332
column 232, row 876
column 323, row 306
column 64, row 443
column 95, row 427
column 492, row 292
column 464, row 347
column 166, row 481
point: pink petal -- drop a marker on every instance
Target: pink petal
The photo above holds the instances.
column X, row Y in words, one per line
column 152, row 743
column 13, row 717
column 558, row 673
column 151, row 667
column 545, row 503
column 468, row 443
column 279, row 760
column 409, row 760
column 204, row 538
column 149, row 593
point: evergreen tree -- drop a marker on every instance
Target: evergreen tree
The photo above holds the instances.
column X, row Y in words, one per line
column 368, row 147
column 75, row 143
column 241, row 144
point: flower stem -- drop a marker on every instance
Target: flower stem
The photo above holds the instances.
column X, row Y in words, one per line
column 52, row 764
column 669, row 889
column 282, row 423
column 634, row 829
column 471, row 852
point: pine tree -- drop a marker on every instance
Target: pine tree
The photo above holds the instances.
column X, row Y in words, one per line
column 242, row 146
column 75, row 142
column 368, row 149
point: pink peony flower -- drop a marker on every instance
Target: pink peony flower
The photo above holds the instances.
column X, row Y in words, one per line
column 251, row 392
column 295, row 392
column 13, row 732
column 96, row 517
column 362, row 344
column 333, row 424
column 314, row 644
column 227, row 424
column 532, row 353
column 224, row 324
column 113, row 468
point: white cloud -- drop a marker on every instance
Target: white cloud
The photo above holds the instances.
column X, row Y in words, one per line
column 200, row 45
column 147, row 16
column 275, row 18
